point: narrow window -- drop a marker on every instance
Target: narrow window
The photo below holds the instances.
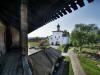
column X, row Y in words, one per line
column 59, row 36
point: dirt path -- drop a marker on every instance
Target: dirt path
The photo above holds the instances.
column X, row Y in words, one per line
column 75, row 63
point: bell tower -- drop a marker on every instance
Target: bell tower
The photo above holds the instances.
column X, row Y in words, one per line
column 58, row 27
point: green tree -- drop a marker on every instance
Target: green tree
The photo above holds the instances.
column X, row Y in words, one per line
column 37, row 38
column 66, row 33
column 84, row 34
column 98, row 35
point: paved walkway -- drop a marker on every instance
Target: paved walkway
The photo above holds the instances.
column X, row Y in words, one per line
column 77, row 69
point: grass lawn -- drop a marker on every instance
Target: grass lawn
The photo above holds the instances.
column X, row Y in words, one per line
column 33, row 44
column 89, row 66
column 61, row 48
column 85, row 49
column 90, row 50
column 36, row 44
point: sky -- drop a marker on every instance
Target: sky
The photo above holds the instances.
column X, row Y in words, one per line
column 88, row 14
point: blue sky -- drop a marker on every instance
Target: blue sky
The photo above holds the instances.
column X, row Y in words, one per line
column 88, row 14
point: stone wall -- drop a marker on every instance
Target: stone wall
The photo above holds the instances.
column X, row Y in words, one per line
column 2, row 44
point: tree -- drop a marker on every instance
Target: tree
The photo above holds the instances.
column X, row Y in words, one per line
column 66, row 33
column 77, row 39
column 98, row 36
column 37, row 38
column 84, row 34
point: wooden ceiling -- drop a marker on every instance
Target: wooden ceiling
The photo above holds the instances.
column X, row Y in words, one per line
column 40, row 12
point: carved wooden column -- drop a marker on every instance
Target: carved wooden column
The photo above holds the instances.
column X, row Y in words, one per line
column 24, row 28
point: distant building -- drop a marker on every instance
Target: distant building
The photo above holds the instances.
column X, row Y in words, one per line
column 58, row 37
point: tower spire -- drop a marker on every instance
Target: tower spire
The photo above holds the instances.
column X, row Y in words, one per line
column 58, row 27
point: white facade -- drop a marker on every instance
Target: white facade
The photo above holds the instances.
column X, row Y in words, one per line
column 58, row 38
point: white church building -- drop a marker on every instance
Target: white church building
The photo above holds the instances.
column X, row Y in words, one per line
column 58, row 37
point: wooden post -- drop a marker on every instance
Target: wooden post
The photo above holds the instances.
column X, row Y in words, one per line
column 24, row 28
column 24, row 38
column 8, row 40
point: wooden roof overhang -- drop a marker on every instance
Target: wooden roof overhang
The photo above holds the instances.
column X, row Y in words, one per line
column 40, row 12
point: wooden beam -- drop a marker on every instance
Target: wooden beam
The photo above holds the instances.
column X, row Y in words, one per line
column 90, row 1
column 74, row 6
column 80, row 3
column 60, row 13
column 63, row 11
column 24, row 28
column 67, row 8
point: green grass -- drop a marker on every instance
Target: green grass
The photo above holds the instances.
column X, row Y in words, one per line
column 70, row 66
column 86, row 49
column 90, row 50
column 36, row 44
column 33, row 43
column 61, row 48
column 89, row 66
